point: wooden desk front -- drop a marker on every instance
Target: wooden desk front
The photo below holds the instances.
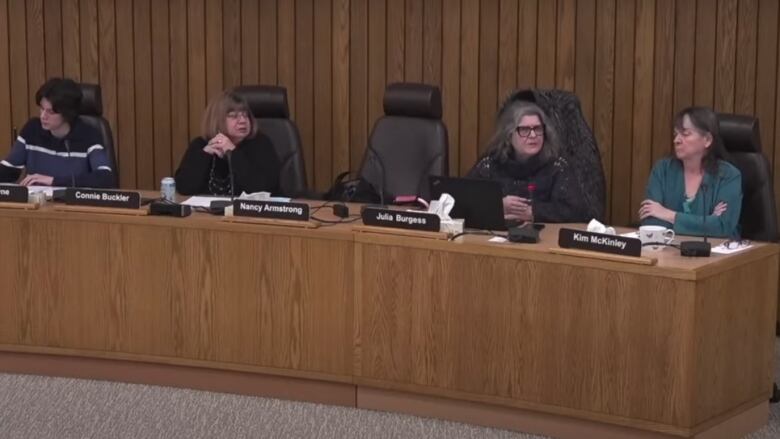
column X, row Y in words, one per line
column 674, row 348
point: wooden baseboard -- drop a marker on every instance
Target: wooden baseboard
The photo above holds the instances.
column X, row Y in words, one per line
column 212, row 380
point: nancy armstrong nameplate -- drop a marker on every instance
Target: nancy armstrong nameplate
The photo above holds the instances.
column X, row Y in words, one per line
column 13, row 194
column 271, row 209
column 102, row 198
column 401, row 219
column 599, row 242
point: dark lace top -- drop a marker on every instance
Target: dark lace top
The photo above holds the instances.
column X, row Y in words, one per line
column 556, row 197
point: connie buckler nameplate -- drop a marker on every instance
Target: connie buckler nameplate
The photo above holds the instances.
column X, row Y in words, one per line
column 102, row 198
column 401, row 219
column 599, row 242
column 13, row 194
column 271, row 209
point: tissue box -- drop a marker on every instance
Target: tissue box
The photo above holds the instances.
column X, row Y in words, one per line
column 452, row 226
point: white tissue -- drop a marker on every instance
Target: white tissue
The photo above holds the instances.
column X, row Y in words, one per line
column 442, row 208
column 596, row 227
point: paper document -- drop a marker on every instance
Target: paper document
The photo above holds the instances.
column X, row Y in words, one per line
column 630, row 235
column 199, row 201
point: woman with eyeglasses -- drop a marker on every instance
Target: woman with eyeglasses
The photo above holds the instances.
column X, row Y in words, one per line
column 229, row 138
column 523, row 156
column 694, row 190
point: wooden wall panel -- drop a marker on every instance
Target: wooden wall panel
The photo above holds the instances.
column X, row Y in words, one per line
column 632, row 63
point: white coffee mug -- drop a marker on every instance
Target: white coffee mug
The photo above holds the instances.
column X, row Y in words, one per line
column 655, row 235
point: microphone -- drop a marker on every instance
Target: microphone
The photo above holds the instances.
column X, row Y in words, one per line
column 229, row 157
column 72, row 175
column 531, row 189
column 699, row 248
column 382, row 177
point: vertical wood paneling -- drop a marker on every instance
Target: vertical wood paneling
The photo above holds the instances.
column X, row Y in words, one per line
column 232, row 43
column 586, row 56
column 488, row 71
column 620, row 191
column 145, row 121
column 71, row 37
column 641, row 159
column 358, row 83
column 450, row 76
column 36, row 62
column 17, row 39
column 180, row 98
column 632, row 64
column 250, row 42
column 107, row 60
column 725, row 55
column 546, row 43
column 469, row 85
column 341, row 78
column 565, row 44
column 413, row 43
column 161, row 86
column 89, row 41
column 323, row 95
column 396, row 31
column 663, row 95
column 125, row 135
column 52, row 17
column 304, row 80
column 6, row 122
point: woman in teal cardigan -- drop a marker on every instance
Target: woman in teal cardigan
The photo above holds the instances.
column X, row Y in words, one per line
column 694, row 190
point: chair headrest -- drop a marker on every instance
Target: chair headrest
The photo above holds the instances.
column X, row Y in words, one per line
column 265, row 101
column 413, row 100
column 91, row 100
column 739, row 132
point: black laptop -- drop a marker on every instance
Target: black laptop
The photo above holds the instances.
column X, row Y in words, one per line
column 478, row 202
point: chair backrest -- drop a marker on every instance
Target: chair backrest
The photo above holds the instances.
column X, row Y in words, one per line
column 578, row 144
column 742, row 139
column 91, row 113
column 409, row 143
column 272, row 114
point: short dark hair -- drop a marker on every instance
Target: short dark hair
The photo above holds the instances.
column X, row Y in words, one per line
column 64, row 95
column 706, row 122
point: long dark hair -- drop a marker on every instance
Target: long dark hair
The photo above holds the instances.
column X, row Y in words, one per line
column 500, row 145
column 706, row 122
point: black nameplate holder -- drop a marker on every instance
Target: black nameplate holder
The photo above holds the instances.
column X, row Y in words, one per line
column 599, row 242
column 13, row 194
column 271, row 210
column 401, row 219
column 102, row 198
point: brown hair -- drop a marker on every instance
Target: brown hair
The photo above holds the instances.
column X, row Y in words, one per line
column 215, row 116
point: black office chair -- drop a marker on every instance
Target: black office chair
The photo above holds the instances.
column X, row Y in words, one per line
column 269, row 107
column 578, row 144
column 91, row 113
column 408, row 143
column 742, row 139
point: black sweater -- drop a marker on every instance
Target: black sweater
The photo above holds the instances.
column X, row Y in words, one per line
column 556, row 199
column 255, row 167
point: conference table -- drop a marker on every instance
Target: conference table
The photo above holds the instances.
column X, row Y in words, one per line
column 516, row 336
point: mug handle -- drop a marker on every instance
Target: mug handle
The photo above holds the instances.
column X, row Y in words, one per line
column 669, row 238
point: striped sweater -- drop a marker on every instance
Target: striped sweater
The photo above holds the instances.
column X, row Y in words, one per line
column 38, row 152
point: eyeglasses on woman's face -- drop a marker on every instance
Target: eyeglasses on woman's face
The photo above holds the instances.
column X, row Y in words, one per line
column 525, row 131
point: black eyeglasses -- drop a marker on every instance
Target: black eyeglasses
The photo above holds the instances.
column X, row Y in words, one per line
column 538, row 130
column 733, row 244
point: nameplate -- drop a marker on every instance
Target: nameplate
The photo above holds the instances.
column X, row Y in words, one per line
column 271, row 209
column 599, row 242
column 13, row 194
column 102, row 198
column 399, row 219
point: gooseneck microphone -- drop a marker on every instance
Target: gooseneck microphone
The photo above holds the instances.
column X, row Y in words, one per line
column 70, row 167
column 229, row 157
column 381, row 177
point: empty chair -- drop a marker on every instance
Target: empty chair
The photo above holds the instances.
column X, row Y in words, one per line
column 407, row 144
column 269, row 107
column 91, row 113
column 742, row 139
